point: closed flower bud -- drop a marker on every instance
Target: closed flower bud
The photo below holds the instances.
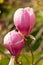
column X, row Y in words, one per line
column 24, row 20
column 14, row 42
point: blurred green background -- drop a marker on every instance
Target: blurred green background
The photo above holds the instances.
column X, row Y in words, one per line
column 7, row 9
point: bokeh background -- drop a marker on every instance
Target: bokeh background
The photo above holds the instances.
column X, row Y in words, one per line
column 7, row 9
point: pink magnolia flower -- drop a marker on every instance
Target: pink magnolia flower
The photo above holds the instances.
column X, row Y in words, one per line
column 14, row 42
column 24, row 20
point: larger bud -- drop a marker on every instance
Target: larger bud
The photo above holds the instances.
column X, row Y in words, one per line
column 24, row 20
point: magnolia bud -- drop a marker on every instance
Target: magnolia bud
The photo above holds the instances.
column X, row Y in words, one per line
column 14, row 42
column 24, row 20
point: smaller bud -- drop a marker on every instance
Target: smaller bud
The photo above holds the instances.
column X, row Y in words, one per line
column 14, row 42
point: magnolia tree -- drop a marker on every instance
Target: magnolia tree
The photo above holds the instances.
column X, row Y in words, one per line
column 14, row 41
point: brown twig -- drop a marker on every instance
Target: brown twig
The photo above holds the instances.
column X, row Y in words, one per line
column 30, row 49
column 18, row 62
